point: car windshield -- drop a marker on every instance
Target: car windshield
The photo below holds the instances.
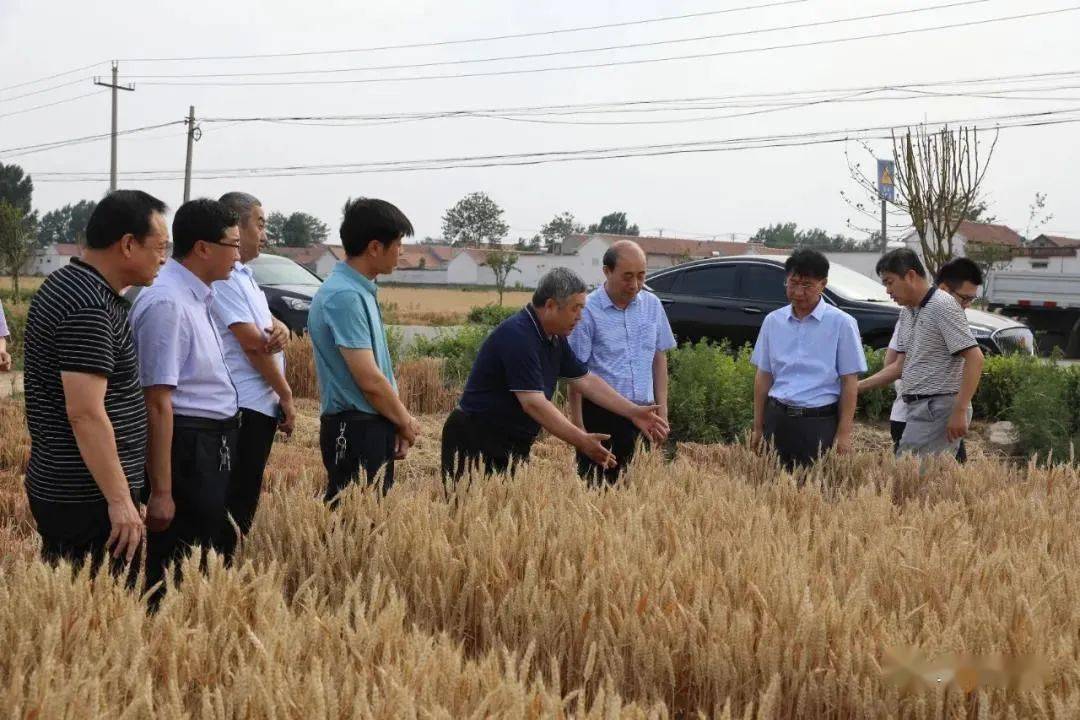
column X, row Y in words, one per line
column 271, row 270
column 853, row 285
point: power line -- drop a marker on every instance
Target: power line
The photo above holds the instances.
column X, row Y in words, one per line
column 41, row 147
column 439, row 43
column 623, row 63
column 52, row 77
column 45, row 90
column 557, row 53
column 46, row 105
column 1036, row 119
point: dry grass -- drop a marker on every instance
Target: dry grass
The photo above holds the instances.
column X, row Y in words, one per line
column 712, row 585
column 27, row 283
column 439, row 306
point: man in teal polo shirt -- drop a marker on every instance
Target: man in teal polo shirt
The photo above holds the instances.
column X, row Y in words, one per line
column 364, row 425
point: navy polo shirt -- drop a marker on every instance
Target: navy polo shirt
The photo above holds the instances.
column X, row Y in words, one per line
column 516, row 357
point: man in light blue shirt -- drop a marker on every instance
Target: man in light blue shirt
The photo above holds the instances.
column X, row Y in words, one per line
column 253, row 340
column 808, row 357
column 623, row 337
column 364, row 425
column 190, row 397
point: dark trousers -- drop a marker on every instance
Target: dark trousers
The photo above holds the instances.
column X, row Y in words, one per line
column 624, row 436
column 77, row 532
column 203, row 453
column 253, row 444
column 799, row 439
column 355, row 441
column 471, row 445
column 896, row 430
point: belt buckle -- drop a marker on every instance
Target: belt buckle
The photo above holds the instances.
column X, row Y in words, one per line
column 794, row 411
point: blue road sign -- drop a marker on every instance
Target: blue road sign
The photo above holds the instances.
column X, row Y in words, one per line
column 886, row 171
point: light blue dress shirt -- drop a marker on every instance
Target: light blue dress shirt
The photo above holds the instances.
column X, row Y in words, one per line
column 179, row 346
column 808, row 357
column 239, row 300
column 345, row 314
column 619, row 344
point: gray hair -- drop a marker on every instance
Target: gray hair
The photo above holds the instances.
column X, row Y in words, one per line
column 559, row 284
column 240, row 203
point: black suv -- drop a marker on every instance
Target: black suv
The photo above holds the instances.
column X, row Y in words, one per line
column 728, row 298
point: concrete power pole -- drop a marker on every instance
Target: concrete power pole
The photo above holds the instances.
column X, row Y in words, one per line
column 112, row 150
column 193, row 134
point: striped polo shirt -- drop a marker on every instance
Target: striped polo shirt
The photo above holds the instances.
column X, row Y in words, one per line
column 932, row 336
column 78, row 323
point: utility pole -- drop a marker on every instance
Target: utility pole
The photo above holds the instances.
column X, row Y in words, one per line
column 193, row 135
column 115, row 86
column 884, row 239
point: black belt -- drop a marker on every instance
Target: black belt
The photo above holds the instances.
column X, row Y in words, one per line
column 190, row 422
column 349, row 415
column 916, row 398
column 814, row 412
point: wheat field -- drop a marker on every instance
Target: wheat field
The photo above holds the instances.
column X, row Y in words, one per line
column 711, row 586
column 410, row 305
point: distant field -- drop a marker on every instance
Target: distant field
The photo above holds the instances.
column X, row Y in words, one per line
column 438, row 305
column 25, row 283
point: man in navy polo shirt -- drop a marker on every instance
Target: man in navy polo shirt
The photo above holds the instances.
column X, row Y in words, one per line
column 507, row 397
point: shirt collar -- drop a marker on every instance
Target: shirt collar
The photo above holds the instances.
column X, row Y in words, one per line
column 926, row 298
column 349, row 273
column 200, row 290
column 531, row 312
column 94, row 273
column 817, row 313
column 606, row 301
column 242, row 268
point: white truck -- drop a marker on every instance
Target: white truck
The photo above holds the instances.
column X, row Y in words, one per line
column 1048, row 302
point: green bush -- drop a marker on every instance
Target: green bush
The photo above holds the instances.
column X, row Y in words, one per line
column 1044, row 411
column 458, row 347
column 15, row 314
column 490, row 315
column 876, row 404
column 710, row 393
column 1001, row 379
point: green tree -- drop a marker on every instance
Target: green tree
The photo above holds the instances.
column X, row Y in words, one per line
column 296, row 230
column 990, row 258
column 1037, row 215
column 980, row 212
column 16, row 188
column 788, row 235
column 17, row 246
column 66, row 224
column 501, row 263
column 473, row 220
column 614, row 224
column 559, row 227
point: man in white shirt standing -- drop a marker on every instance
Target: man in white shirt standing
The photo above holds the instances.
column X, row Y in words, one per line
column 253, row 340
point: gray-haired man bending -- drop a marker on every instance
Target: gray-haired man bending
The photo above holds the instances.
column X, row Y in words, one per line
column 507, row 398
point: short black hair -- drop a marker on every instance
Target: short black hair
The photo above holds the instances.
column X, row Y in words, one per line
column 958, row 271
column 368, row 219
column 202, row 219
column 807, row 263
column 898, row 262
column 119, row 213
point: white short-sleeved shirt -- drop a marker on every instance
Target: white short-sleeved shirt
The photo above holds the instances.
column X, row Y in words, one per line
column 239, row 300
column 899, row 407
column 179, row 346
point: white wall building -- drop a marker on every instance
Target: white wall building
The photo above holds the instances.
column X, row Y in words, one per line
column 53, row 257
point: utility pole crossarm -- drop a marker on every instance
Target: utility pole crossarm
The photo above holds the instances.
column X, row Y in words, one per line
column 114, row 85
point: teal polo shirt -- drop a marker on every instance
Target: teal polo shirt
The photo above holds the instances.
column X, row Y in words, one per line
column 345, row 314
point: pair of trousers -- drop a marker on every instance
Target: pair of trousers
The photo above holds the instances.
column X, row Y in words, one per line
column 254, row 441
column 471, row 445
column 799, row 440
column 927, row 423
column 78, row 532
column 624, row 436
column 896, row 430
column 352, row 442
column 203, row 453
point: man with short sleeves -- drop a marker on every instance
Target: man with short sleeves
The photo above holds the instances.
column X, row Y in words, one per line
column 507, row 398
column 189, row 392
column 808, row 357
column 364, row 427
column 938, row 359
column 623, row 338
column 84, row 406
column 253, row 340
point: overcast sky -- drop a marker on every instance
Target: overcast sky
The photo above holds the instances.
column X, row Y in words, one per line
column 686, row 194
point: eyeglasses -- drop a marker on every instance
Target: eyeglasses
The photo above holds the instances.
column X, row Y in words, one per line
column 801, row 285
column 965, row 299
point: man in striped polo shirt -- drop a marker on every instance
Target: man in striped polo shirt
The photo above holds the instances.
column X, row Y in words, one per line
column 623, row 337
column 937, row 358
column 84, row 405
